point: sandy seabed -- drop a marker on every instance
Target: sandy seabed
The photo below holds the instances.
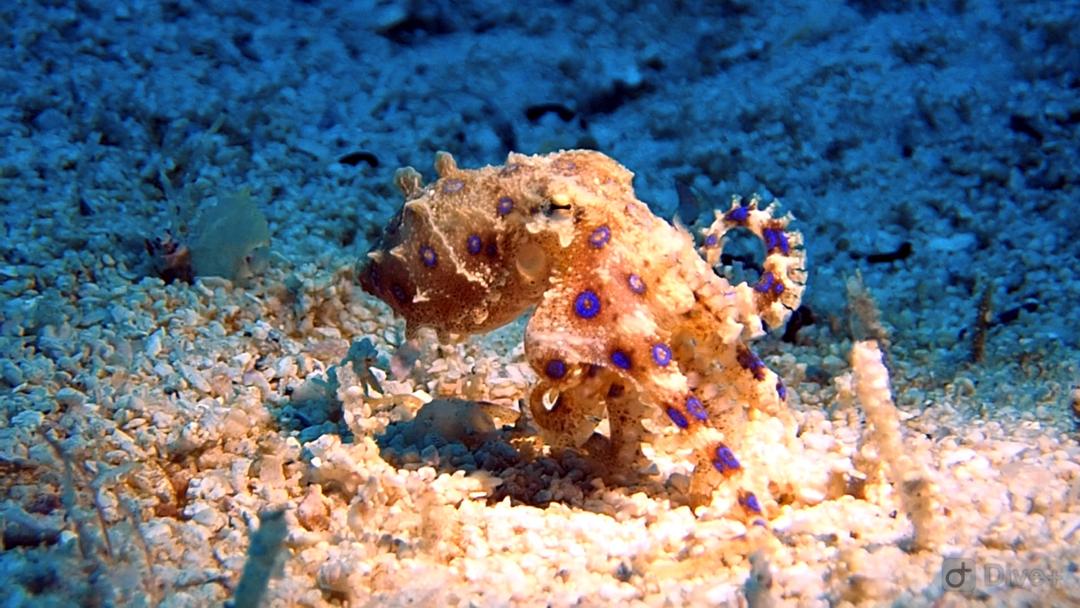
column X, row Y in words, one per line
column 147, row 429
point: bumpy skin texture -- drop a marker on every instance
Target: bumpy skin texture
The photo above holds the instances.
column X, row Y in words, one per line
column 629, row 317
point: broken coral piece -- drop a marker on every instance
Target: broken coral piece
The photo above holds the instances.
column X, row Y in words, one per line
column 457, row 420
column 629, row 314
column 919, row 495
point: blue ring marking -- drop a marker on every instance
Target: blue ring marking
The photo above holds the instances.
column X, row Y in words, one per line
column 452, row 185
column 696, row 409
column 399, row 292
column 751, row 363
column 776, row 239
column 600, row 237
column 677, row 417
column 711, row 240
column 473, row 244
column 661, row 354
column 738, row 215
column 555, row 369
column 587, row 304
column 750, row 501
column 766, row 283
column 637, row 285
column 781, row 390
column 565, row 165
column 725, row 460
column 620, row 359
column 504, row 206
column 428, row 256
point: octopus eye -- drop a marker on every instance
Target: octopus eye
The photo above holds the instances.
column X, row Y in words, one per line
column 554, row 209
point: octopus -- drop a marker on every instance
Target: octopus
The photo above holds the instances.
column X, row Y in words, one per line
column 630, row 317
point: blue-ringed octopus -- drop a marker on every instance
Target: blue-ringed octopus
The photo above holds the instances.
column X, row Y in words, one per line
column 630, row 316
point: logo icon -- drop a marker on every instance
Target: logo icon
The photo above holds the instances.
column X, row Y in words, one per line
column 958, row 574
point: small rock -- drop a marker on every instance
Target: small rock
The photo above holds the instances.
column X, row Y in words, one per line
column 69, row 397
column 28, row 419
column 312, row 512
column 453, row 420
column 195, row 378
column 10, row 372
column 152, row 348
